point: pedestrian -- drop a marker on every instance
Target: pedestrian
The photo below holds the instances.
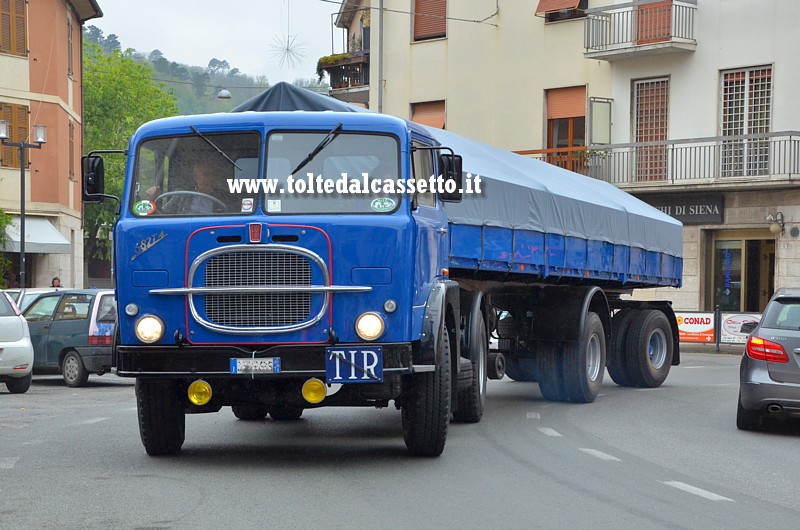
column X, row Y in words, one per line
column 56, row 282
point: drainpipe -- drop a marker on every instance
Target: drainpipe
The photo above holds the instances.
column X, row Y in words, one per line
column 380, row 56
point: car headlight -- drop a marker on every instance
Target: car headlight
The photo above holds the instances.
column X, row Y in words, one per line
column 369, row 326
column 149, row 329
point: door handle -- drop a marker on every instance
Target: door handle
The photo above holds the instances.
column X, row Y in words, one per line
column 441, row 231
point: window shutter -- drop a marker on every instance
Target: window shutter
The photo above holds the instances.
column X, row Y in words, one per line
column 19, row 41
column 430, row 20
column 21, row 125
column 551, row 6
column 71, row 150
column 5, row 26
column 430, row 113
column 566, row 102
column 7, row 152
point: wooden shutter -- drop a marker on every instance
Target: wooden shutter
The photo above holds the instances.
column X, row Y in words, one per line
column 17, row 118
column 12, row 27
column 551, row 6
column 430, row 20
column 71, row 150
column 430, row 113
column 566, row 102
column 5, row 26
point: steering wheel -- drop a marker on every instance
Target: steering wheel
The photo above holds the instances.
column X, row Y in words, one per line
column 217, row 203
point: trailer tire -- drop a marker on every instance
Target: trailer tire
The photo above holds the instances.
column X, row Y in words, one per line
column 521, row 369
column 551, row 372
column 162, row 419
column 584, row 364
column 471, row 400
column 250, row 412
column 617, row 361
column 649, row 349
column 426, row 406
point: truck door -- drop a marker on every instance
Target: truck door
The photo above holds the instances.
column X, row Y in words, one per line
column 431, row 222
column 40, row 317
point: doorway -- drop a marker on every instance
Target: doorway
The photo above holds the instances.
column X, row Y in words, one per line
column 743, row 272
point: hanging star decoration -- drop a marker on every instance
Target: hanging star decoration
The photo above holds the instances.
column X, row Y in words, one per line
column 288, row 50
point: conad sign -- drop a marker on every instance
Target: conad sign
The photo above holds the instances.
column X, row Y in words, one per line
column 696, row 327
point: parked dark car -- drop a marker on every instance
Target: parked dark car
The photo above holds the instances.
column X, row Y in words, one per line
column 71, row 332
column 24, row 297
column 769, row 377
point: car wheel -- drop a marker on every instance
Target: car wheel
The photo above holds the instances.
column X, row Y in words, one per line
column 747, row 420
column 73, row 371
column 249, row 412
column 19, row 385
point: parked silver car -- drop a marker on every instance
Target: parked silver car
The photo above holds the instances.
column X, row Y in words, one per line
column 16, row 350
column 769, row 376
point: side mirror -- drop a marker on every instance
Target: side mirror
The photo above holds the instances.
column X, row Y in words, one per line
column 93, row 176
column 450, row 170
column 748, row 327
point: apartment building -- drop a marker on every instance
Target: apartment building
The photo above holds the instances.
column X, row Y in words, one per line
column 41, row 84
column 685, row 104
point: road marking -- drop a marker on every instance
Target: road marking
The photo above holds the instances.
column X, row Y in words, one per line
column 549, row 432
column 37, row 441
column 644, row 389
column 599, row 454
column 14, row 425
column 91, row 421
column 534, row 416
column 725, row 384
column 8, row 462
column 697, row 491
column 695, row 367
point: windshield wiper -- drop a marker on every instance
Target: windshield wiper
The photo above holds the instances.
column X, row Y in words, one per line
column 322, row 145
column 212, row 144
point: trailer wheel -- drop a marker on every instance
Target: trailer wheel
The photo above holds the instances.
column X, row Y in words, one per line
column 649, row 349
column 521, row 369
column 471, row 400
column 617, row 362
column 551, row 372
column 584, row 364
column 162, row 420
column 249, row 412
column 426, row 407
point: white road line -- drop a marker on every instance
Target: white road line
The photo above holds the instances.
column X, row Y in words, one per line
column 549, row 432
column 599, row 454
column 14, row 425
column 725, row 384
column 91, row 421
column 8, row 462
column 697, row 491
column 534, row 416
column 695, row 367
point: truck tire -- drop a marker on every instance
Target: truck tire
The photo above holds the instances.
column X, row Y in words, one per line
column 285, row 413
column 426, row 407
column 584, row 364
column 162, row 419
column 250, row 412
column 73, row 371
column 19, row 385
column 617, row 361
column 551, row 372
column 471, row 400
column 521, row 369
column 649, row 349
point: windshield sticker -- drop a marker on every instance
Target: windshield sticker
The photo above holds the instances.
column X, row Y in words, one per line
column 274, row 205
column 247, row 205
column 146, row 244
column 144, row 207
column 383, row 204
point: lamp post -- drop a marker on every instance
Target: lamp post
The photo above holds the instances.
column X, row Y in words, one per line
column 40, row 135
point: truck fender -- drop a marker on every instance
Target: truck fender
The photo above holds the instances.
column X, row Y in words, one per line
column 560, row 312
column 441, row 313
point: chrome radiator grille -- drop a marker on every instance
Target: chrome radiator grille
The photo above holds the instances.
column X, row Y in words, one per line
column 252, row 269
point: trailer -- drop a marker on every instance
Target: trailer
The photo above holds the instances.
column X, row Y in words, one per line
column 261, row 296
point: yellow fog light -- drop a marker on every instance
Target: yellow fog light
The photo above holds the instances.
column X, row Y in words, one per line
column 314, row 391
column 199, row 392
column 369, row 326
column 149, row 329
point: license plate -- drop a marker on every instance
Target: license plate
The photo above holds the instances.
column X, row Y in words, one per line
column 267, row 365
column 354, row 364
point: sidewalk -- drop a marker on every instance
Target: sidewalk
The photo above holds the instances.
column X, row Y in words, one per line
column 699, row 347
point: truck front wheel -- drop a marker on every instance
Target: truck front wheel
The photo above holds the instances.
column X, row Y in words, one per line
column 162, row 419
column 426, row 406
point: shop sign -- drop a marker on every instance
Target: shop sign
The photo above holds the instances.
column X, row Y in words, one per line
column 690, row 208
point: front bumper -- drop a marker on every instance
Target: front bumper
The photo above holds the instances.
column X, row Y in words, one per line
column 758, row 390
column 214, row 361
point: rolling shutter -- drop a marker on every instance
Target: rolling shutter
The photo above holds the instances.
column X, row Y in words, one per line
column 430, row 113
column 430, row 20
column 566, row 102
column 552, row 6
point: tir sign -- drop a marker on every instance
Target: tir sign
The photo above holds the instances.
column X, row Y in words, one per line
column 255, row 232
column 354, row 365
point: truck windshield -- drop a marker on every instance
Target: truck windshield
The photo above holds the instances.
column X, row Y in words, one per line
column 188, row 175
column 352, row 173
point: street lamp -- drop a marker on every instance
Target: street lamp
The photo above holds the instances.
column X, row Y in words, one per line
column 40, row 137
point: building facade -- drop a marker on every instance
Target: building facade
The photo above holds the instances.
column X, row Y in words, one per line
column 41, row 84
column 685, row 104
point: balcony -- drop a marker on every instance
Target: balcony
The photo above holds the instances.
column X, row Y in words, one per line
column 624, row 31
column 731, row 162
column 349, row 76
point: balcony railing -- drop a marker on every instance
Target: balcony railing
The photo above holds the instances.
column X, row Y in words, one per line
column 623, row 30
column 350, row 71
column 744, row 159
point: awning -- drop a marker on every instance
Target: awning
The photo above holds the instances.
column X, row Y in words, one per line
column 551, row 6
column 41, row 237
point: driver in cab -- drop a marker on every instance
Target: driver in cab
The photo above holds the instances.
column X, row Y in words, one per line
column 206, row 177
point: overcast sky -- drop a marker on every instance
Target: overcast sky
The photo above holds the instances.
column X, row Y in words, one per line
column 243, row 32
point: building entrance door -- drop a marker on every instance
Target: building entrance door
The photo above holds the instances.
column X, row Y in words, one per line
column 743, row 272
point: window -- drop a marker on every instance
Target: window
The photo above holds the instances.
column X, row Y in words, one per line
column 430, row 19
column 107, row 311
column 41, row 309
column 556, row 10
column 430, row 113
column 746, row 110
column 73, row 307
column 69, row 45
column 651, row 117
column 566, row 127
column 12, row 27
column 422, row 166
column 17, row 118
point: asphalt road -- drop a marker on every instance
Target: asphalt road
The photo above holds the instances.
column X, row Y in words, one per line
column 664, row 458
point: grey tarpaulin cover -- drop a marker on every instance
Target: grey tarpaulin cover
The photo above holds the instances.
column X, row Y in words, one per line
column 519, row 192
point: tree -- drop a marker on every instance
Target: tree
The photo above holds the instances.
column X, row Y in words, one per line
column 119, row 96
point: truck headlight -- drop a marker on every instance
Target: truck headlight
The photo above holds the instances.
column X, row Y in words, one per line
column 149, row 329
column 369, row 326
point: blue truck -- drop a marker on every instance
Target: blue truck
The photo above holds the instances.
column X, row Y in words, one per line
column 246, row 290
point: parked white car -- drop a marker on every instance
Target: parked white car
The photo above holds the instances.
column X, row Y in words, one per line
column 16, row 350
